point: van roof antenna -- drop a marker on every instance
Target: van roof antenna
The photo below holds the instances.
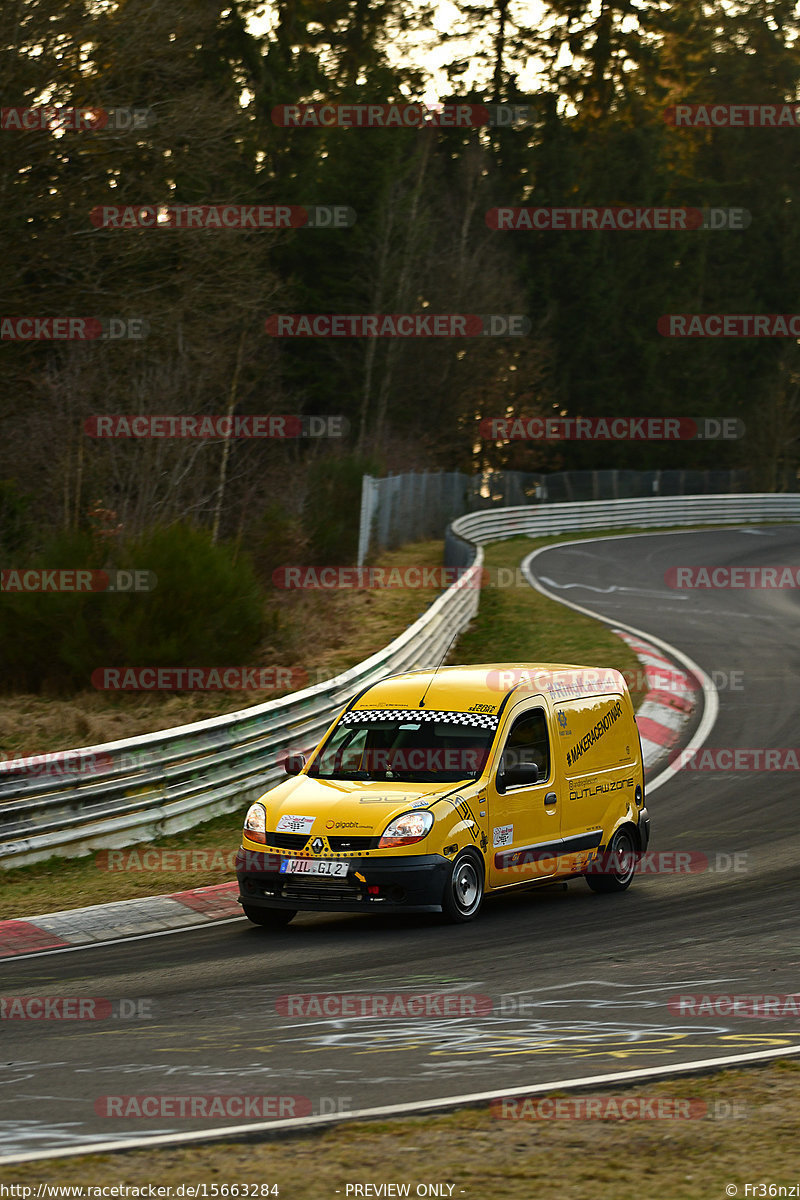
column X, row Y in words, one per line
column 438, row 665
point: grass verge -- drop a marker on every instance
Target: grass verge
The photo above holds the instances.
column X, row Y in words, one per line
column 322, row 633
column 482, row 1156
column 514, row 624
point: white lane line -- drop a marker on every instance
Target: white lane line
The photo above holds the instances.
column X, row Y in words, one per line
column 614, row 587
column 412, row 1108
column 710, row 693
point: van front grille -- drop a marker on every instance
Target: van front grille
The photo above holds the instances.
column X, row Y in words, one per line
column 287, row 841
column 316, row 889
column 338, row 845
column 342, row 844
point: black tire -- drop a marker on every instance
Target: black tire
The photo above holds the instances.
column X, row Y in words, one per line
column 270, row 918
column 620, row 861
column 463, row 891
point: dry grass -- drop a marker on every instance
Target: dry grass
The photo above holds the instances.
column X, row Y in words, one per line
column 321, row 632
column 503, row 1159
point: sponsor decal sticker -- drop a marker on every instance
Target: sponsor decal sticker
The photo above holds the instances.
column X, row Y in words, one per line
column 382, row 800
column 594, row 734
column 595, row 786
column 294, row 824
column 502, row 835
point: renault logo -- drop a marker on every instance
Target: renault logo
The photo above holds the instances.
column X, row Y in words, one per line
column 317, row 845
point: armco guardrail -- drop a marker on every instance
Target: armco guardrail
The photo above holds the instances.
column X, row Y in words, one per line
column 145, row 787
column 412, row 505
column 639, row 513
column 141, row 788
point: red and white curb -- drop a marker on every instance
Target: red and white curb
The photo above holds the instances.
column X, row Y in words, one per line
column 667, row 707
column 664, row 719
column 669, row 703
column 119, row 919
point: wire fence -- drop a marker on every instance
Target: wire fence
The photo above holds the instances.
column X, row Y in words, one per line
column 414, row 506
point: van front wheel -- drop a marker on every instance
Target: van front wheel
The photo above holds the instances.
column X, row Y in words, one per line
column 619, row 863
column 463, row 892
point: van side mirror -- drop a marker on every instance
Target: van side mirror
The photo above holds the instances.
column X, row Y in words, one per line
column 518, row 775
column 294, row 763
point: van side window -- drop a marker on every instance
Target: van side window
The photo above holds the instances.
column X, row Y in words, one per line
column 528, row 742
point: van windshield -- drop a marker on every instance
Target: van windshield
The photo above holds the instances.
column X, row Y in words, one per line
column 418, row 745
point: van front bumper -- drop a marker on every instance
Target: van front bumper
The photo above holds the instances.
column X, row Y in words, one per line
column 409, row 884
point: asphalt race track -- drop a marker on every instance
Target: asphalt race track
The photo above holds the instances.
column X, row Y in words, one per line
column 579, row 982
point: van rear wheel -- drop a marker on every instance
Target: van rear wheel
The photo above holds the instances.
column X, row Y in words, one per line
column 463, row 892
column 270, row 918
column 620, row 864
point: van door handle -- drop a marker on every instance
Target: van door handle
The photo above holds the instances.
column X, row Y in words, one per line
column 551, row 798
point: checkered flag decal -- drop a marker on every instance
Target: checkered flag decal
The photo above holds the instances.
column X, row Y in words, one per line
column 472, row 720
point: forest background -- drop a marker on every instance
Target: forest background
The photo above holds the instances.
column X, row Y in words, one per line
column 214, row 517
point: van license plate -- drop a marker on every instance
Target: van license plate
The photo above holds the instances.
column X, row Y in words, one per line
column 313, row 866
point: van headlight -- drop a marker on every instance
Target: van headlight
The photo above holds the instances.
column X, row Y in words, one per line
column 410, row 827
column 255, row 824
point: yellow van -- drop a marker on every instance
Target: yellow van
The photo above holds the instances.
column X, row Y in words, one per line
column 435, row 788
